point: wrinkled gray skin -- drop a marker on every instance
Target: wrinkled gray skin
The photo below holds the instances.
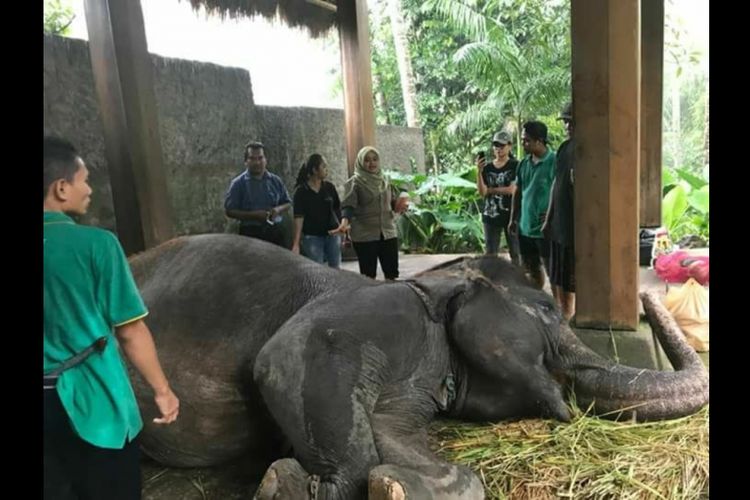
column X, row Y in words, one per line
column 257, row 340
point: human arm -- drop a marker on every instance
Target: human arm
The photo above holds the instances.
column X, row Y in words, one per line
column 481, row 185
column 548, row 215
column 298, row 222
column 138, row 346
column 515, row 207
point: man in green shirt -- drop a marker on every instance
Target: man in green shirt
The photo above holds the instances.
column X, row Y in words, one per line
column 91, row 417
column 533, row 182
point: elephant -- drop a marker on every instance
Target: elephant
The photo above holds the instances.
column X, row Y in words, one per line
column 269, row 351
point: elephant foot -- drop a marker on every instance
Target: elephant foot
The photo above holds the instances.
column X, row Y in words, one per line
column 383, row 487
column 284, row 479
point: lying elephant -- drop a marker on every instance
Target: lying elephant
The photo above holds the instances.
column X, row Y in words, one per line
column 255, row 340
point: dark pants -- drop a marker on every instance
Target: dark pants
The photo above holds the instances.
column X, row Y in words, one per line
column 266, row 232
column 75, row 469
column 534, row 253
column 493, row 230
column 368, row 253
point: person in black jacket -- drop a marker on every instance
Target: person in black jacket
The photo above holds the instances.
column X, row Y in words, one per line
column 560, row 223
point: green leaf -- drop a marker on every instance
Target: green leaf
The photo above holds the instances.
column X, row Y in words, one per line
column 452, row 180
column 698, row 199
column 667, row 178
column 694, row 181
column 674, row 206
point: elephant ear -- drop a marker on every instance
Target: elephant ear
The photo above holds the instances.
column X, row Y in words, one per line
column 441, row 293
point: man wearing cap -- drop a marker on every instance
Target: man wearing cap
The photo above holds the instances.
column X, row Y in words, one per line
column 531, row 198
column 495, row 184
column 560, row 223
column 257, row 198
column 91, row 417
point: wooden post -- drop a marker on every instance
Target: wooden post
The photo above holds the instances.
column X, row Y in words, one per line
column 359, row 113
column 652, row 80
column 606, row 87
column 124, row 88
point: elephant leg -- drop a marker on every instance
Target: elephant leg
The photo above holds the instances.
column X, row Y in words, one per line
column 410, row 470
column 323, row 403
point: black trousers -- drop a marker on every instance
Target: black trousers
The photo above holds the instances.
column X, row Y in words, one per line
column 75, row 469
column 266, row 232
column 369, row 252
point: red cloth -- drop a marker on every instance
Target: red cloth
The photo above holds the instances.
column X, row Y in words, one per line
column 677, row 267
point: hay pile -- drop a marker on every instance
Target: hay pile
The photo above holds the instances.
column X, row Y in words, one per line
column 587, row 458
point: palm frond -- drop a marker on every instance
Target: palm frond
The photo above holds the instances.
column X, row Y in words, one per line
column 463, row 14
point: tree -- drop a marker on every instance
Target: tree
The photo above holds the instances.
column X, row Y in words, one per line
column 518, row 55
column 408, row 87
column 58, row 16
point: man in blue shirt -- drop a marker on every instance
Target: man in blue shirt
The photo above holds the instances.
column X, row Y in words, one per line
column 257, row 198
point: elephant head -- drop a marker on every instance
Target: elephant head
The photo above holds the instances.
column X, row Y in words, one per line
column 514, row 355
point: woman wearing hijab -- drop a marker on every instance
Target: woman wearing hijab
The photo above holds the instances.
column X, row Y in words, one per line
column 370, row 206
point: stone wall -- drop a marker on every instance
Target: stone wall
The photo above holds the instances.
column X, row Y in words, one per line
column 206, row 114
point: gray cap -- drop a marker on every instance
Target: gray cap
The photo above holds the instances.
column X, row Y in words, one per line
column 502, row 137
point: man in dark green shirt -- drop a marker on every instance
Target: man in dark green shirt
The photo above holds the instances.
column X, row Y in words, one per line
column 91, row 417
column 533, row 181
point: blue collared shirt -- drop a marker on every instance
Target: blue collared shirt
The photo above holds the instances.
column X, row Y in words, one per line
column 248, row 193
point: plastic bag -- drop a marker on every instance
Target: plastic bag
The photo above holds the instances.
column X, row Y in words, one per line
column 689, row 307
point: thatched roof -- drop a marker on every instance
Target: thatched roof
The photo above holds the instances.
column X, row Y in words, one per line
column 296, row 13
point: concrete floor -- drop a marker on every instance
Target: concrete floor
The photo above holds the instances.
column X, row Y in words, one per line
column 637, row 349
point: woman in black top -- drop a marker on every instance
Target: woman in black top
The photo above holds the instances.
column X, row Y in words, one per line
column 495, row 182
column 317, row 214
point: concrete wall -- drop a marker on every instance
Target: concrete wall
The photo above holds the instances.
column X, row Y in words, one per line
column 206, row 114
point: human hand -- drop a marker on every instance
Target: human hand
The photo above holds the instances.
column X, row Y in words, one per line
column 402, row 203
column 168, row 405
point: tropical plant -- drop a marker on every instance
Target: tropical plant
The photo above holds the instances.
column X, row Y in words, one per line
column 444, row 213
column 518, row 57
column 685, row 206
column 58, row 16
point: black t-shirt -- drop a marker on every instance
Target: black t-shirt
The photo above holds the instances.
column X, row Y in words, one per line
column 496, row 205
column 321, row 210
column 562, row 223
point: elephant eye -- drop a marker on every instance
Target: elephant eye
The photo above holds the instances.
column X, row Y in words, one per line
column 546, row 306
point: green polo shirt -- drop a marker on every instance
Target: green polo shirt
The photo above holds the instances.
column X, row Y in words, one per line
column 534, row 182
column 88, row 290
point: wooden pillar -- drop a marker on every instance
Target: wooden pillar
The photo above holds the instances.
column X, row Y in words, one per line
column 606, row 87
column 124, row 88
column 359, row 113
column 652, row 81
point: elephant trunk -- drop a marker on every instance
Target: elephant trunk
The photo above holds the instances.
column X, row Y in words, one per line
column 615, row 390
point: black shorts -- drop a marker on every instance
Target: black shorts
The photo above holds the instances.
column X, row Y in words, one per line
column 534, row 253
column 562, row 267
